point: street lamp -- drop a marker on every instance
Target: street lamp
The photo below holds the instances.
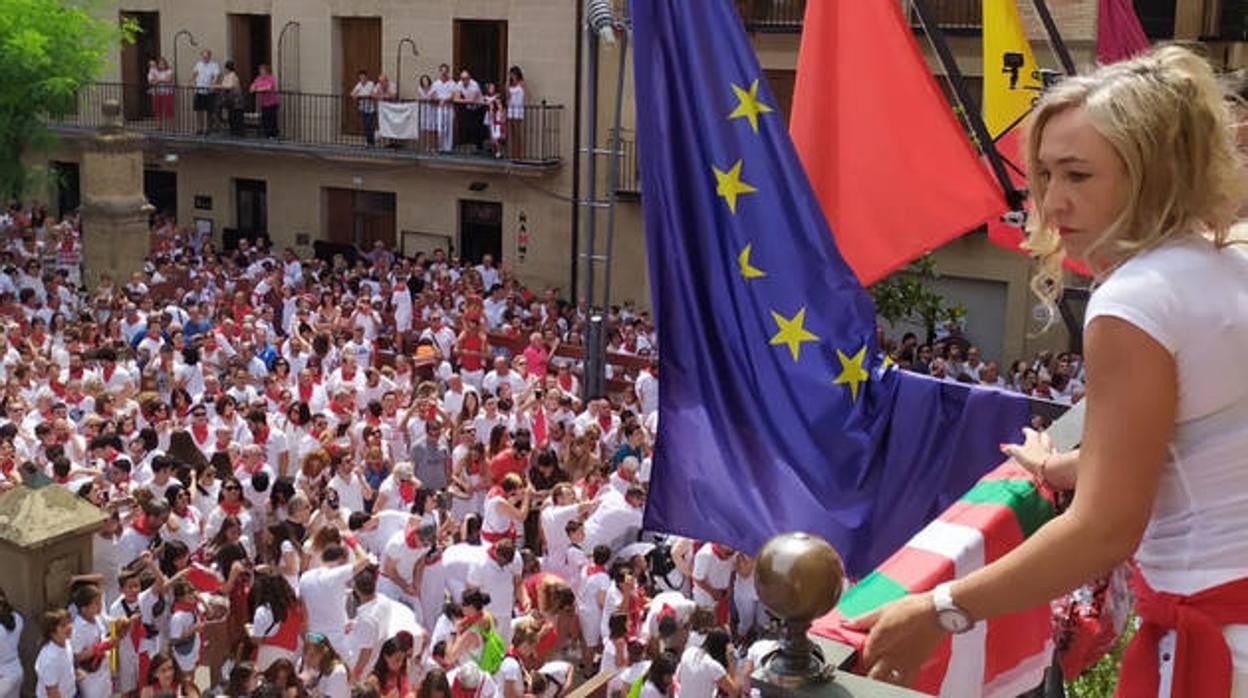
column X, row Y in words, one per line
column 398, row 64
column 289, row 85
column 189, row 37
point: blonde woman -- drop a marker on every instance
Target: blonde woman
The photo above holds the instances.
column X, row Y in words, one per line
column 1134, row 169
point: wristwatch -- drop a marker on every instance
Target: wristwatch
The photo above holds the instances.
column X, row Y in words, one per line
column 952, row 618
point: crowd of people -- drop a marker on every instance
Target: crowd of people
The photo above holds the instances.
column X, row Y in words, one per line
column 326, row 478
column 1051, row 376
column 451, row 112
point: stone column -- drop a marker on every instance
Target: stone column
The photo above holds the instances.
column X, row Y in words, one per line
column 46, row 535
column 115, row 212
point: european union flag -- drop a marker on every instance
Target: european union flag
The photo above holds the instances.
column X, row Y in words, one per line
column 776, row 410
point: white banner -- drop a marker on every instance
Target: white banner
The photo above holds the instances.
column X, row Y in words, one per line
column 399, row 120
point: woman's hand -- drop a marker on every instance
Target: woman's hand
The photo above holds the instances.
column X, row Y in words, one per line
column 903, row 634
column 1036, row 449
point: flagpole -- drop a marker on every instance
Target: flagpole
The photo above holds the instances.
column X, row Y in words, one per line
column 1013, row 196
column 1055, row 37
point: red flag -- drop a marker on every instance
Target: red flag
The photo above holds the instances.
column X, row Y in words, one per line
column 1010, row 146
column 895, row 174
column 1119, row 35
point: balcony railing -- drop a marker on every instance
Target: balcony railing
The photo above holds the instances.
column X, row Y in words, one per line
column 629, row 181
column 785, row 16
column 317, row 121
column 1232, row 24
column 772, row 16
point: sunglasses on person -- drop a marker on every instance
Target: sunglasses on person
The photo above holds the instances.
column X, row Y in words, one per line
column 232, row 488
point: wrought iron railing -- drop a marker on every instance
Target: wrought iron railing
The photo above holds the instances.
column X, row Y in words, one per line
column 629, row 181
column 785, row 16
column 316, row 120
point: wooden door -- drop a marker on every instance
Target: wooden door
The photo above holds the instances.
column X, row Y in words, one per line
column 781, row 83
column 340, row 216
column 361, row 50
column 240, row 48
column 481, row 49
column 375, row 219
column 136, row 104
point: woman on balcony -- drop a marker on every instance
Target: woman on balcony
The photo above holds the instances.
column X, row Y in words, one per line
column 515, row 112
column 428, row 114
column 160, row 78
column 267, row 98
column 231, row 100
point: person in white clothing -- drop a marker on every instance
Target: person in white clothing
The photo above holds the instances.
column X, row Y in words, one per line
column 323, row 590
column 706, row 671
column 1133, row 170
column 11, row 626
column 444, row 92
column 54, row 667
column 498, row 575
column 91, row 644
column 321, row 669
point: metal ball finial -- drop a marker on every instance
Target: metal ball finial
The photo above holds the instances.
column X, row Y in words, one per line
column 799, row 578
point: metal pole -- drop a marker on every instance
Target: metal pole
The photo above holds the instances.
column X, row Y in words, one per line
column 1013, row 196
column 576, row 152
column 613, row 173
column 592, row 386
column 1055, row 37
column 398, row 64
column 281, row 40
column 189, row 37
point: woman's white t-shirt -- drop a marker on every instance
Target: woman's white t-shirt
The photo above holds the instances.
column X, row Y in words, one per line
column 55, row 667
column 698, row 674
column 1192, row 299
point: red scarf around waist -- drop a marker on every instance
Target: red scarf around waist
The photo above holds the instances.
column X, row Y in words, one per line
column 1202, row 660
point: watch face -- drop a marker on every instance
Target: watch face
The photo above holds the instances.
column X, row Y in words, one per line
column 953, row 620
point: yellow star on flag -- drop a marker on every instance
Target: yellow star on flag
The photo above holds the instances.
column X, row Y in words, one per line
column 853, row 371
column 791, row 331
column 743, row 263
column 748, row 105
column 729, row 185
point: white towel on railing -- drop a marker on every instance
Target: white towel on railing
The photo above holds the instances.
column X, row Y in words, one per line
column 399, row 120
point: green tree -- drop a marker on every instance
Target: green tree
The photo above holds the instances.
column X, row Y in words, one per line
column 49, row 50
column 908, row 296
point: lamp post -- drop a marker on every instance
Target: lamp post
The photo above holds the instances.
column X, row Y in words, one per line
column 189, row 37
column 289, row 85
column 398, row 64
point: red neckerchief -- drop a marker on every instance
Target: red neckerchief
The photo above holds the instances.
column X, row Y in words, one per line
column 233, row 509
column 222, row 445
column 590, row 488
column 7, row 465
column 188, row 606
column 61, row 480
column 407, row 491
column 108, row 371
column 342, row 412
column 76, row 372
column 719, row 551
column 305, row 394
column 434, row 556
column 412, row 537
column 183, row 410
column 458, row 690
column 605, row 423
column 591, row 570
column 200, row 432
column 142, row 525
column 347, row 378
column 495, row 491
column 474, row 467
column 38, row 338
column 370, row 420
column 261, row 438
column 57, row 388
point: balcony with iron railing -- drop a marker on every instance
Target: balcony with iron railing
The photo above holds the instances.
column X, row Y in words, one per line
column 322, row 123
column 785, row 16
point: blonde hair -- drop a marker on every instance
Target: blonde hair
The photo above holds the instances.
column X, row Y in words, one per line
column 1170, row 124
